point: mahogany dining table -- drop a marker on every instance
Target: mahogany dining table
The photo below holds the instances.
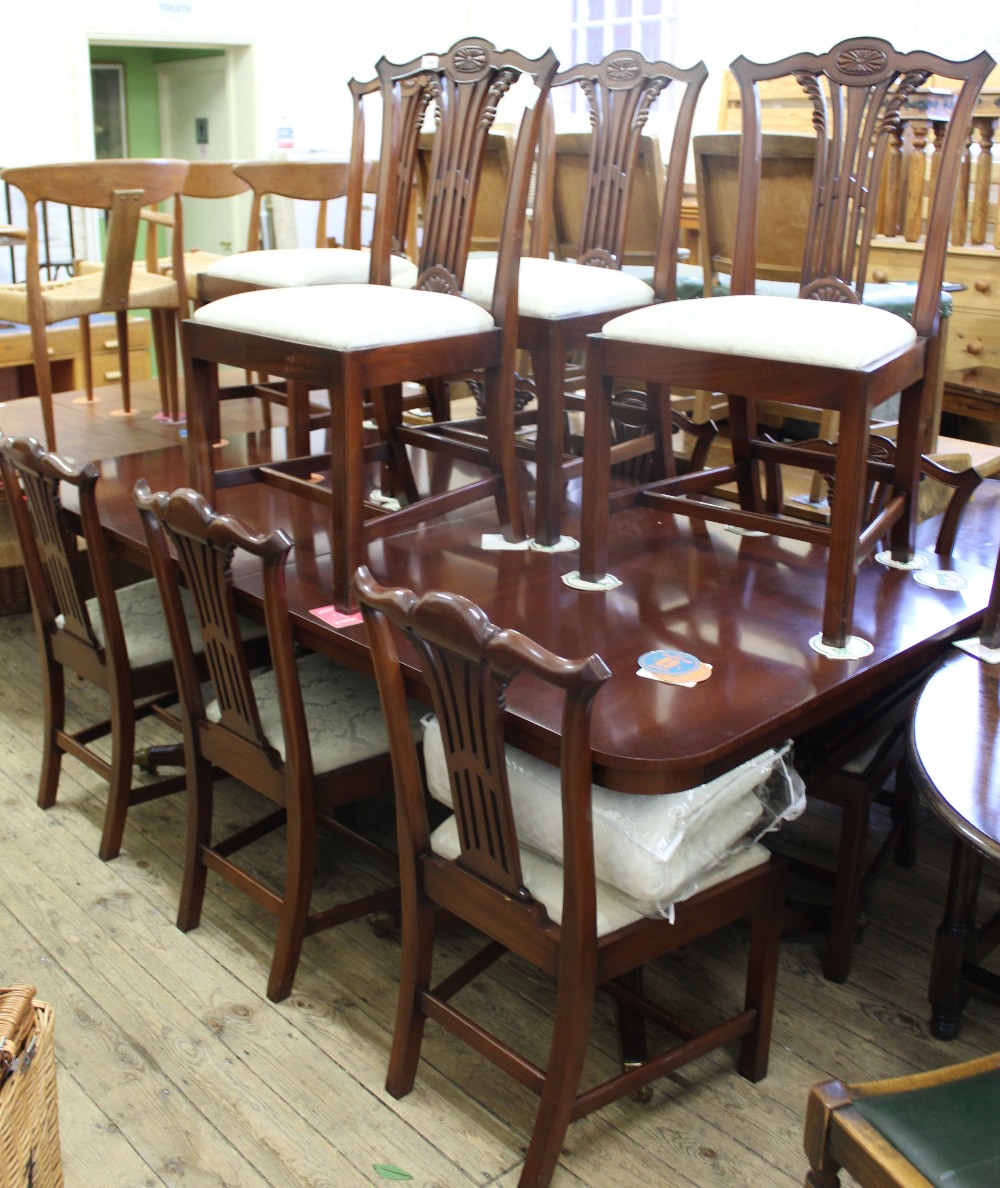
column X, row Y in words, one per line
column 745, row 605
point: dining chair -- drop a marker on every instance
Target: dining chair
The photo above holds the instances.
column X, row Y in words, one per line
column 914, row 1131
column 322, row 182
column 562, row 874
column 560, row 301
column 364, row 341
column 824, row 348
column 848, row 762
column 113, row 639
column 206, row 180
column 120, row 188
column 305, row 733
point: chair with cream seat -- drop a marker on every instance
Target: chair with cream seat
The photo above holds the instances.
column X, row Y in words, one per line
column 113, row 639
column 261, row 267
column 362, row 340
column 586, row 884
column 307, row 734
column 560, row 301
column 912, row 1131
column 121, row 188
column 823, row 349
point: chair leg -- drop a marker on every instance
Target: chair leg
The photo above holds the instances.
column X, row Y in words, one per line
column 762, row 973
column 503, row 461
column 904, row 816
column 300, row 867
column 570, row 1032
column 548, row 365
column 169, row 331
column 824, row 1171
column 120, row 781
column 88, row 363
column 43, row 381
column 201, row 793
column 846, row 888
column 631, row 1028
column 121, row 325
column 54, row 682
column 414, row 979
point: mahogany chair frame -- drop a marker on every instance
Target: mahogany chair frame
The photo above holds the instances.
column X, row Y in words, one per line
column 856, row 89
column 468, row 663
column 121, row 188
column 838, row 1138
column 620, row 90
column 61, row 576
column 206, row 543
column 466, row 86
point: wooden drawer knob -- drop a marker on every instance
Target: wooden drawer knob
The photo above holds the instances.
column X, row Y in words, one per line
column 983, row 285
column 880, row 276
column 975, row 347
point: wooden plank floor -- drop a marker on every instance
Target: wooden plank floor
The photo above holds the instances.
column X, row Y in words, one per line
column 175, row 1069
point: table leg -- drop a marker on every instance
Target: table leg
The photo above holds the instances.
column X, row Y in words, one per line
column 957, row 931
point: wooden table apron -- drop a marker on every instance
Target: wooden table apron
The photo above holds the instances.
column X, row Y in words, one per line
column 745, row 605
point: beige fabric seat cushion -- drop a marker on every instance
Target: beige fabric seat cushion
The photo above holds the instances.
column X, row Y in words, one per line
column 145, row 627
column 654, row 850
column 553, row 289
column 822, row 333
column 544, row 879
column 347, row 317
column 76, row 296
column 280, row 268
column 343, row 713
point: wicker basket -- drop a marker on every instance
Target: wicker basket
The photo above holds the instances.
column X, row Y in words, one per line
column 29, row 1118
column 13, row 585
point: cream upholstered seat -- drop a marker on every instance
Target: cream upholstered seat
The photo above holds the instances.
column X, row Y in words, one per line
column 552, row 900
column 308, row 734
column 291, row 267
column 850, row 337
column 649, row 851
column 823, row 349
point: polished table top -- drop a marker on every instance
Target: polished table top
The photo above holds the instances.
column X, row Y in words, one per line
column 955, row 748
column 745, row 605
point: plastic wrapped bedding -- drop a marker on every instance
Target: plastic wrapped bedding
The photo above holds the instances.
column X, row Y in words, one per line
column 653, row 850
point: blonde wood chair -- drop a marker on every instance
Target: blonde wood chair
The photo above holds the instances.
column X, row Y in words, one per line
column 121, row 188
column 917, row 1131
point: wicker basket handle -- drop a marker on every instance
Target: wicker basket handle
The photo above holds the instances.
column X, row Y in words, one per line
column 16, row 1015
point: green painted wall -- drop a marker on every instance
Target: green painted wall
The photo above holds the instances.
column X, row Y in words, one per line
column 142, row 113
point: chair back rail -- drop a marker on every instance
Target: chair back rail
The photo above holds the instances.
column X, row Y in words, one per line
column 855, row 92
column 620, row 92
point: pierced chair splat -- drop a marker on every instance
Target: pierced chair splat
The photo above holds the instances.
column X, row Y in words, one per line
column 113, row 639
column 824, row 349
column 560, row 301
column 557, row 871
column 367, row 340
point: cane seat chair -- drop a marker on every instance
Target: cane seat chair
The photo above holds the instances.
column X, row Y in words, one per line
column 121, row 188
column 823, row 349
column 206, row 180
column 356, row 340
column 113, row 639
column 307, row 734
column 522, row 861
column 925, row 1129
column 560, row 301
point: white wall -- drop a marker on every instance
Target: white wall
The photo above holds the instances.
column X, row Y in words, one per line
column 305, row 50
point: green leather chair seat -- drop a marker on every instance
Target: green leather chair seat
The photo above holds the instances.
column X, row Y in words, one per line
column 949, row 1132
